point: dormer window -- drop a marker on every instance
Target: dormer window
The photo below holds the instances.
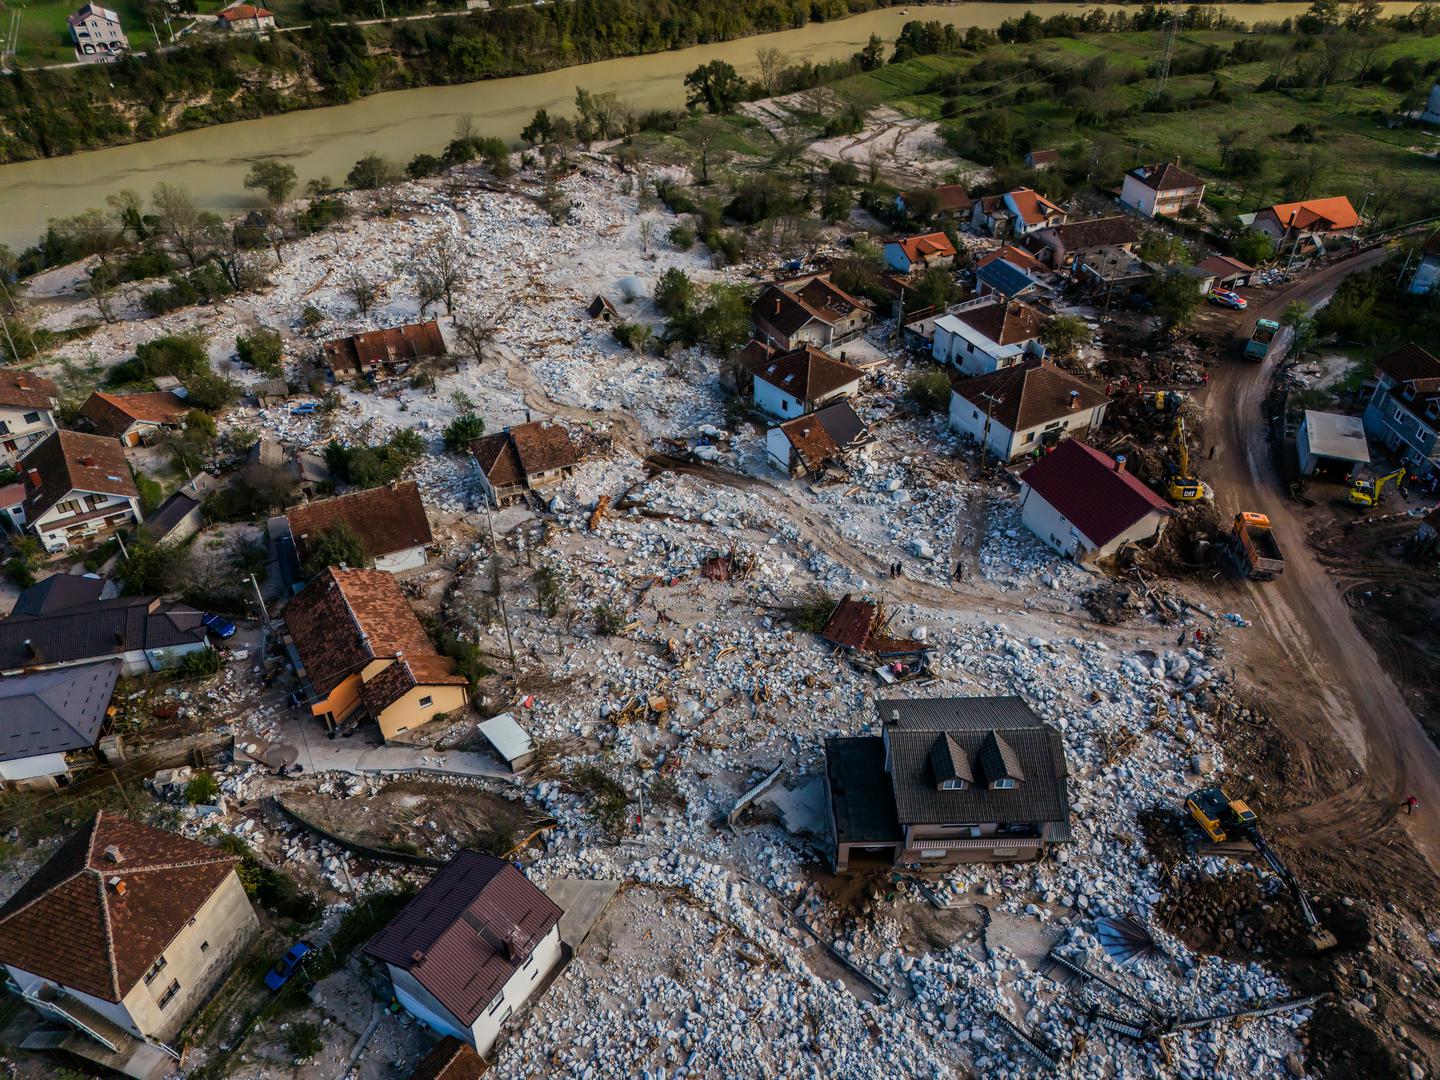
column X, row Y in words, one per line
column 998, row 762
column 1004, row 783
column 949, row 765
column 953, row 785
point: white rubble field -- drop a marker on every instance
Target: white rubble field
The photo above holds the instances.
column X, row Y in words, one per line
column 751, row 691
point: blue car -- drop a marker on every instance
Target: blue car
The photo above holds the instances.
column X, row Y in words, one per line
column 305, row 408
column 285, row 968
column 221, row 627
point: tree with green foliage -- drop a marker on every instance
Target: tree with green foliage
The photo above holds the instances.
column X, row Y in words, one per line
column 180, row 355
column 275, row 178
column 370, row 172
column 1253, row 247
column 462, row 431
column 540, row 128
column 203, row 788
column 336, row 545
column 634, row 336
column 371, row 466
column 549, row 582
column 935, row 289
column 1063, row 334
column 263, row 349
column 675, row 292
column 423, row 165
column 1176, row 299
column 929, row 387
column 149, row 569
column 715, row 85
column 1298, row 317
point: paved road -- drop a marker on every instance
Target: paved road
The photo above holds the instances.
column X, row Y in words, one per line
column 1307, row 620
column 320, row 753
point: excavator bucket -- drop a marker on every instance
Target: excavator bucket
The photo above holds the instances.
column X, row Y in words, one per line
column 1321, row 940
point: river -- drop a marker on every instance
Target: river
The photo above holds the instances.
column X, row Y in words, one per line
column 211, row 162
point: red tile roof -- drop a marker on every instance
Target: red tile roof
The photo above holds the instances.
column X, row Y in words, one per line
column 467, row 931
column 398, row 344
column 1166, row 176
column 66, row 461
column 1027, row 395
column 1005, row 323
column 525, row 450
column 387, row 519
column 23, row 390
column 1084, row 485
column 236, row 12
column 1224, row 266
column 1044, row 157
column 849, row 624
column 1334, row 214
column 68, row 924
column 1015, row 257
column 115, row 414
column 451, row 1060
column 949, row 198
column 1033, row 207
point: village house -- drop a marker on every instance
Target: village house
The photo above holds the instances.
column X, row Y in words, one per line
column 1016, row 213
column 134, row 418
column 382, row 354
column 360, row 651
column 1085, row 505
column 122, row 935
column 145, row 633
column 809, row 310
column 809, row 444
column 1006, row 279
column 802, row 381
column 60, row 591
column 1404, row 408
column 97, row 34
column 922, row 252
column 1063, row 247
column 527, row 457
column 1017, row 410
column 245, row 19
column 475, row 944
column 1161, row 190
column 389, row 520
column 45, row 715
column 1042, row 159
column 76, row 487
column 948, row 780
column 1227, row 273
column 986, row 335
column 1308, row 225
column 175, row 520
column 601, row 308
column 947, row 203
column 451, row 1059
column 27, row 412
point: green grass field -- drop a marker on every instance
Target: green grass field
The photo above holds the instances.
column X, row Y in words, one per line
column 45, row 35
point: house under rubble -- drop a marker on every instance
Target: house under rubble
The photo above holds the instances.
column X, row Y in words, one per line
column 862, row 628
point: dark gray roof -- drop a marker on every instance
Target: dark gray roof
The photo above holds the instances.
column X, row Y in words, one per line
column 96, row 631
column 1035, row 750
column 948, row 760
column 47, row 712
column 860, row 791
column 997, row 759
column 58, row 593
column 842, row 424
column 170, row 513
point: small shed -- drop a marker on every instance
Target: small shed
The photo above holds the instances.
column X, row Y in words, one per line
column 601, row 308
column 1325, row 437
column 510, row 740
column 270, row 392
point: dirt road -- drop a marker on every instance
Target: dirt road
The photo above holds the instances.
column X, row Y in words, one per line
column 1307, row 625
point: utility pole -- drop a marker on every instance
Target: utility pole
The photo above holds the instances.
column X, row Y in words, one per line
column 495, row 578
column 260, row 599
column 991, row 400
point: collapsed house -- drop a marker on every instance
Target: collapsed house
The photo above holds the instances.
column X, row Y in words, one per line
column 810, row 444
column 862, row 629
column 383, row 354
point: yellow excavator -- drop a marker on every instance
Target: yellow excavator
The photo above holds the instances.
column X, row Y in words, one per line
column 1183, row 485
column 1223, row 818
column 1369, row 492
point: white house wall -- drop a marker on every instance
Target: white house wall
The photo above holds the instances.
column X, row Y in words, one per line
column 776, row 402
column 1055, row 531
column 31, row 767
column 409, row 559
column 517, row 991
column 778, row 448
column 419, row 1003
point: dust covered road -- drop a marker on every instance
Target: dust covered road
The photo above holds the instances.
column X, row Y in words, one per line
column 1314, row 658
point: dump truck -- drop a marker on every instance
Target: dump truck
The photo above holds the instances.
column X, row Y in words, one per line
column 1254, row 548
column 1268, row 339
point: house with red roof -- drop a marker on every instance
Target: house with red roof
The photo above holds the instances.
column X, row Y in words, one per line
column 801, row 381
column 1308, row 224
column 246, row 19
column 1015, row 213
column 988, row 334
column 1085, row 505
column 809, row 310
column 27, row 412
column 474, row 945
column 922, row 252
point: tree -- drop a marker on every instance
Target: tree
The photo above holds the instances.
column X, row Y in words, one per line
column 100, row 287
column 540, row 129
column 675, row 292
column 263, row 349
column 202, row 788
column 1253, row 247
column 149, row 569
column 462, row 431
column 770, row 61
column 1298, row 317
column 1247, row 167
column 1176, row 299
column 1299, row 179
column 423, row 165
column 178, row 218
column 476, row 330
column 370, row 172
column 362, row 290
column 929, row 388
column 275, row 178
column 1063, row 334
column 872, row 55
column 634, row 336
column 336, row 545
column 715, row 85
column 439, row 270
column 550, row 589
column 704, row 137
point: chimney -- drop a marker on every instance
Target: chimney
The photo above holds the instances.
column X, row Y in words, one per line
column 777, row 305
column 417, row 956
column 33, row 476
column 1074, row 400
column 1119, row 462
column 113, row 854
column 117, row 886
column 86, row 460
column 894, row 716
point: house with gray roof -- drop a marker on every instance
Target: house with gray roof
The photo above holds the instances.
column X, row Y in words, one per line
column 947, row 780
column 144, row 633
column 46, row 714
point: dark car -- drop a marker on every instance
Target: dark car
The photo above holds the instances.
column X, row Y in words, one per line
column 285, row 968
column 218, row 625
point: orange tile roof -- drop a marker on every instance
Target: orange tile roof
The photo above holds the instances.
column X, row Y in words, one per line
column 1334, row 214
column 1015, row 256
column 932, row 245
column 1032, row 207
column 114, row 414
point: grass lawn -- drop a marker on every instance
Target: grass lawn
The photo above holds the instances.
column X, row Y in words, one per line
column 45, row 35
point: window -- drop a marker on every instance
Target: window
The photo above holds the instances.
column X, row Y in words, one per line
column 784, row 405
column 169, row 994
column 1003, row 784
column 952, row 785
column 1029, row 436
column 32, row 417
column 426, row 702
column 499, row 998
column 158, row 967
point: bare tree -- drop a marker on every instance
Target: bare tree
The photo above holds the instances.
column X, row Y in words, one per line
column 647, row 233
column 362, row 290
column 476, row 328
column 771, row 62
column 439, row 270
column 101, row 288
column 181, row 220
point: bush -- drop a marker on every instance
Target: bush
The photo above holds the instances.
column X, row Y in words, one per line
column 303, row 1039
column 462, row 431
column 608, row 621
column 682, row 236
column 281, row 896
column 550, row 589
column 202, row 788
column 200, row 664
column 320, row 215
column 337, row 545
column 423, row 165
column 609, row 803
column 929, row 388
column 150, row 568
column 675, row 292
column 311, row 316
column 634, row 336
column 371, row 466
column 264, row 350
column 370, row 172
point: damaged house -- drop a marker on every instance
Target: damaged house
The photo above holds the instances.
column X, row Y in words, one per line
column 134, row 418
column 76, row 487
column 1083, row 503
column 526, row 457
column 1018, row 409
column 27, row 412
column 948, row 780
column 808, row 310
column 389, row 520
column 809, row 444
column 862, row 628
column 382, row 354
column 802, row 381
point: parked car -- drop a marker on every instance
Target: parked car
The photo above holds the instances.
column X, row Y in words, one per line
column 285, row 968
column 305, row 408
column 1226, row 298
column 218, row 625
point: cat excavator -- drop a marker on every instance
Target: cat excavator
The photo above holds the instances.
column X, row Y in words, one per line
column 1223, row 818
column 1368, row 492
column 1182, row 485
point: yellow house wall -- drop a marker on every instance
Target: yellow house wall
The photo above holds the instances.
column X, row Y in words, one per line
column 406, row 714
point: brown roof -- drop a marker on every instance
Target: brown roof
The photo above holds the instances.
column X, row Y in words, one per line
column 1224, row 266
column 1015, row 257
column 1411, row 364
column 68, row 924
column 1026, row 395
column 1032, row 207
column 1044, row 157
column 344, row 619
column 523, row 451
column 114, row 414
column 807, row 374
column 1334, row 214
column 1097, row 232
column 949, row 197
column 22, row 390
column 451, row 1059
column 849, row 624
column 790, row 305
column 397, row 344
column 387, row 519
column 820, row 436
column 1166, row 176
column 66, row 461
column 470, row 928
column 244, row 11
column 1005, row 323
